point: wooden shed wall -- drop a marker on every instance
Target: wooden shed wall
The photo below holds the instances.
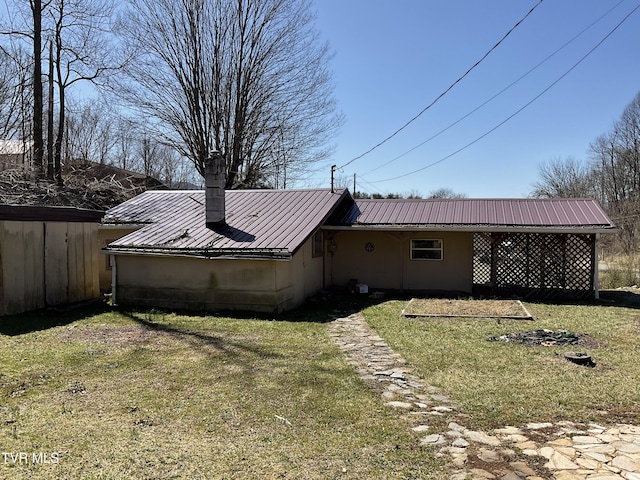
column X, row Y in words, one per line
column 47, row 263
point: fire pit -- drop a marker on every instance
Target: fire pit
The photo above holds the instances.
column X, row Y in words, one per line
column 544, row 337
column 549, row 338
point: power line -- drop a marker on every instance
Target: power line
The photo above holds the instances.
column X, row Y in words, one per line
column 446, row 91
column 362, row 180
column 499, row 93
column 521, row 108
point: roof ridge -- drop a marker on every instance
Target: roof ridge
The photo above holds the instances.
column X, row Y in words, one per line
column 253, row 190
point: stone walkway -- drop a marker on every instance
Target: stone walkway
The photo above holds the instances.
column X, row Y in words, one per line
column 561, row 451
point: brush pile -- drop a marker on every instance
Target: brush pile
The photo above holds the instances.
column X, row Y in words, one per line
column 94, row 187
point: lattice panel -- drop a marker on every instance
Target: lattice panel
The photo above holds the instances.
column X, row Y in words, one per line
column 481, row 259
column 534, row 261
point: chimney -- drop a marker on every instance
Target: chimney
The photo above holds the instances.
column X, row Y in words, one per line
column 214, row 181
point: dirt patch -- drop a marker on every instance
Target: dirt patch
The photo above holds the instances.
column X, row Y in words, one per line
column 443, row 307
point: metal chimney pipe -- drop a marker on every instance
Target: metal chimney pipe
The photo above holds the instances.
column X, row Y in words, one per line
column 214, row 181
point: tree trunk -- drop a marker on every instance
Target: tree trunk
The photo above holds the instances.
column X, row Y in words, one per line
column 50, row 169
column 38, row 153
column 57, row 159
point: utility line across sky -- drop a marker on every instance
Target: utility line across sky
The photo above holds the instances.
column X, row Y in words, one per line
column 434, row 136
column 584, row 57
column 447, row 90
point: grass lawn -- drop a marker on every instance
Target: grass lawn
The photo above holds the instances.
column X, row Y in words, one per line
column 123, row 394
column 501, row 383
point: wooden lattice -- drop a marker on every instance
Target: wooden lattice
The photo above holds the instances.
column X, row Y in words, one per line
column 534, row 263
column 481, row 259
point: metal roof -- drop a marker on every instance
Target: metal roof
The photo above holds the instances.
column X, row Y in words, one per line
column 275, row 223
column 14, row 147
column 259, row 223
column 549, row 214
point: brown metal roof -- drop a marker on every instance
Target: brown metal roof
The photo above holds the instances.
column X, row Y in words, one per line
column 481, row 214
column 265, row 223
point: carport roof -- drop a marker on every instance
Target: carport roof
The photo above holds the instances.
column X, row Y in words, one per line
column 548, row 214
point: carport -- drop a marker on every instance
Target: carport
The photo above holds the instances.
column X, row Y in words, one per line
column 536, row 248
column 536, row 265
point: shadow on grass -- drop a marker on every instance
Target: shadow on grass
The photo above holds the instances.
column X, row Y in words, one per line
column 620, row 298
column 39, row 320
column 322, row 308
column 328, row 306
column 608, row 298
column 198, row 339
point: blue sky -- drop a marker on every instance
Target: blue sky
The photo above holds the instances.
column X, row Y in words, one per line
column 392, row 59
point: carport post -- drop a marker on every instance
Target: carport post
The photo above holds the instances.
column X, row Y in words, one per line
column 594, row 256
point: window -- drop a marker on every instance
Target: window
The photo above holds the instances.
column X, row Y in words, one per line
column 318, row 244
column 426, row 249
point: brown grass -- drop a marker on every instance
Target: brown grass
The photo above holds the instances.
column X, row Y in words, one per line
column 442, row 307
column 126, row 394
column 502, row 383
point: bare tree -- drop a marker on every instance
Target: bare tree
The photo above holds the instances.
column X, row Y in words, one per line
column 50, row 115
column 163, row 163
column 13, row 82
column 21, row 29
column 567, row 178
column 90, row 132
column 124, row 140
column 248, row 78
column 81, row 50
column 616, row 162
column 445, row 193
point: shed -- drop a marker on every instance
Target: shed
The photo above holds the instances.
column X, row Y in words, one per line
column 48, row 256
column 256, row 250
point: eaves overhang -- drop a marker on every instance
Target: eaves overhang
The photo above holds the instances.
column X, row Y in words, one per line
column 120, row 226
column 586, row 229
column 228, row 254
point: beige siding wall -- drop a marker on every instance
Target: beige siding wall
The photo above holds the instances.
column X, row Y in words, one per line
column 218, row 284
column 106, row 236
column 47, row 263
column 306, row 276
column 389, row 265
column 209, row 284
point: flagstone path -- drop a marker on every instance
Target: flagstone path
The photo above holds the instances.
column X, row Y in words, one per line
column 536, row 451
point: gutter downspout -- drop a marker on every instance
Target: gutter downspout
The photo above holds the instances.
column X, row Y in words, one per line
column 114, row 279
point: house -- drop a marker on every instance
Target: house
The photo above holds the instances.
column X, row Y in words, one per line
column 14, row 154
column 269, row 250
column 48, row 257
